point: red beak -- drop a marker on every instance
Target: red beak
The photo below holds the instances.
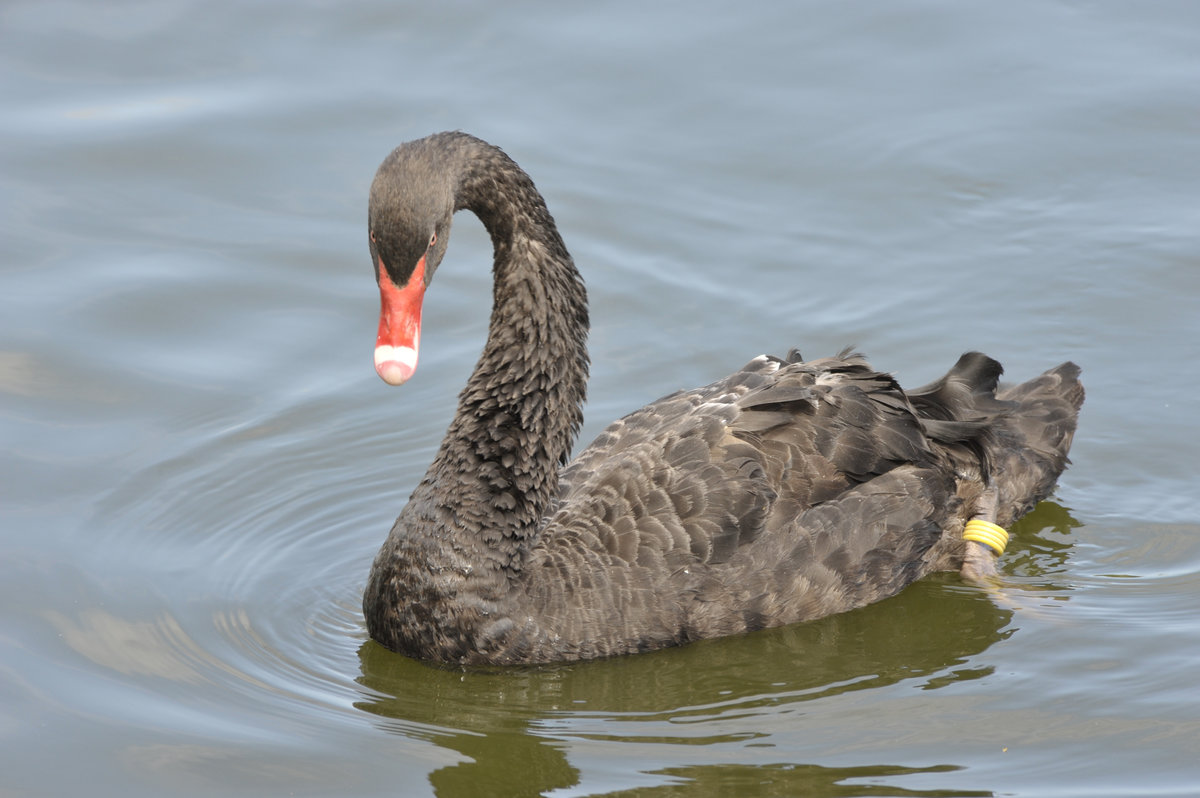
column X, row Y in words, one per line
column 399, row 335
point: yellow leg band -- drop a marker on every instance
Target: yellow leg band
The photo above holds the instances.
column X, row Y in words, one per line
column 986, row 533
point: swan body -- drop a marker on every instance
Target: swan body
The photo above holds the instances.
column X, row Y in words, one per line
column 784, row 492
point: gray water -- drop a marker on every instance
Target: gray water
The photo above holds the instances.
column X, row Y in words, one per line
column 197, row 461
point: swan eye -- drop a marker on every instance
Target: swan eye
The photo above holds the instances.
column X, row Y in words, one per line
column 372, row 234
column 433, row 239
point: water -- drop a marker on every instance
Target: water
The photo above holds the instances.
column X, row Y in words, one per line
column 197, row 462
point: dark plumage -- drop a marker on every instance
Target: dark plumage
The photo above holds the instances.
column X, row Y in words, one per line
column 786, row 491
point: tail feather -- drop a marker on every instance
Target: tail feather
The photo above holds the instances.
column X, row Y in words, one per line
column 1018, row 435
column 1034, row 439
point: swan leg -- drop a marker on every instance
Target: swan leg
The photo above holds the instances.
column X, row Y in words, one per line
column 979, row 560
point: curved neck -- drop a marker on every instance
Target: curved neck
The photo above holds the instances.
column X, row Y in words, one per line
column 497, row 470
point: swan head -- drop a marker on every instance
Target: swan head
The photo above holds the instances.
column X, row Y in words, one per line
column 408, row 223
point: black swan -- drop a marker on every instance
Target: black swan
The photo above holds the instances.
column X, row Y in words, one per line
column 784, row 492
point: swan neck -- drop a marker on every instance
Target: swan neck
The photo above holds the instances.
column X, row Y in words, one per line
column 497, row 471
